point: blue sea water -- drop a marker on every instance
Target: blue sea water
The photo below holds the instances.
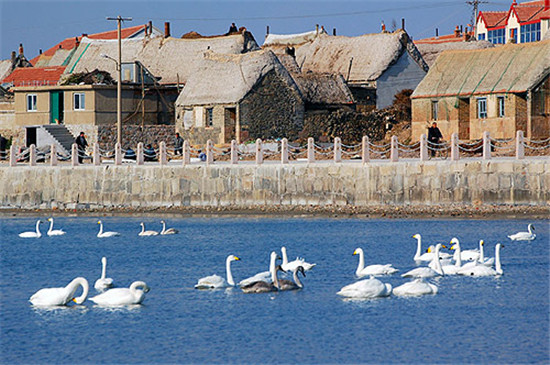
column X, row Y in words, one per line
column 470, row 320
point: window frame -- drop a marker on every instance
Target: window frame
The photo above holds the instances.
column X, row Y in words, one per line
column 435, row 109
column 32, row 101
column 482, row 112
column 501, row 106
column 81, row 96
column 209, row 115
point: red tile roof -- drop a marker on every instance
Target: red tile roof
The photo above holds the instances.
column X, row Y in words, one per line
column 35, row 76
column 494, row 18
column 70, row 43
column 447, row 38
column 529, row 11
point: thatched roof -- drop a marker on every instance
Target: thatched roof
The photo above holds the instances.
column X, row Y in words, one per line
column 227, row 78
column 509, row 68
column 168, row 58
column 291, row 39
column 5, row 69
column 372, row 54
column 325, row 89
column 430, row 52
column 289, row 62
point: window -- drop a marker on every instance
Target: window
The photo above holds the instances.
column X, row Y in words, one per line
column 530, row 33
column 500, row 101
column 31, row 102
column 481, row 37
column 482, row 108
column 79, row 101
column 496, row 36
column 435, row 110
column 209, row 120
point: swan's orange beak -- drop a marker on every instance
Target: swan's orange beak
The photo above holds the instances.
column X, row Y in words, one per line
column 74, row 300
column 236, row 258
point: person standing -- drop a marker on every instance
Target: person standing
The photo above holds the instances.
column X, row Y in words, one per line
column 3, row 145
column 178, row 144
column 81, row 144
column 434, row 136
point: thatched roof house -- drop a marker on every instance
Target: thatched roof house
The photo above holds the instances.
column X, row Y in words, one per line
column 323, row 91
column 499, row 89
column 430, row 51
column 242, row 96
column 375, row 66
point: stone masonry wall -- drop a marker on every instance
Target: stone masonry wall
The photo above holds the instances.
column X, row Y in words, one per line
column 463, row 183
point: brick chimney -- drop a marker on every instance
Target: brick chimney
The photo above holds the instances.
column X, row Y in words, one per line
column 13, row 57
column 21, row 49
column 166, row 29
column 457, row 32
column 76, row 41
column 150, row 32
column 383, row 27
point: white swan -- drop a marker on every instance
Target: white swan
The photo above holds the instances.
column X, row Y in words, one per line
column 54, row 232
column 481, row 260
column 103, row 283
column 365, row 289
column 428, row 255
column 524, row 236
column 102, row 234
column 264, row 286
column 427, row 272
column 293, row 285
column 146, row 233
column 35, row 234
column 465, row 255
column 216, row 281
column 416, row 287
column 291, row 266
column 371, row 269
column 449, row 269
column 61, row 296
column 482, row 270
column 264, row 275
column 122, row 296
column 167, row 231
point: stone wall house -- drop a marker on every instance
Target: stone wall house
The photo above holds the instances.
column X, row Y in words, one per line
column 239, row 97
column 375, row 66
column 499, row 90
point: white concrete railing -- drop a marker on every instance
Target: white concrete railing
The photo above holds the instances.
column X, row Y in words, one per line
column 487, row 148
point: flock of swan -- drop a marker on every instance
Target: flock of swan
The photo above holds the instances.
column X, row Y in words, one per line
column 438, row 264
column 101, row 234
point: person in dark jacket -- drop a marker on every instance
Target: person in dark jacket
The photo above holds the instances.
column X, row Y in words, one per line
column 82, row 144
column 178, row 144
column 149, row 153
column 434, row 136
column 3, row 145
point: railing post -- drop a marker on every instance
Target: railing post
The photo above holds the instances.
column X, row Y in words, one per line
column 32, row 155
column 162, row 148
column 118, row 154
column 234, row 152
column 259, row 152
column 455, row 153
column 13, row 156
column 209, row 152
column 186, row 153
column 394, row 152
column 284, row 150
column 139, row 154
column 96, row 155
column 53, row 155
column 74, row 155
column 486, row 146
column 423, row 147
column 310, row 150
column 520, row 147
column 337, row 149
column 365, row 151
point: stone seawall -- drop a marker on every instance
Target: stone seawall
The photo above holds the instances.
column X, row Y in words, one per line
column 248, row 186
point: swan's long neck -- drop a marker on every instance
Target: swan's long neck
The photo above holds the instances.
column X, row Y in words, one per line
column 297, row 279
column 142, row 227
column 272, row 260
column 163, row 227
column 361, row 265
column 73, row 286
column 497, row 259
column 274, row 277
column 136, row 284
column 418, row 247
column 104, row 267
column 438, row 267
column 458, row 257
column 285, row 258
column 51, row 225
column 37, row 227
column 100, row 228
column 529, row 229
column 230, row 280
column 481, row 252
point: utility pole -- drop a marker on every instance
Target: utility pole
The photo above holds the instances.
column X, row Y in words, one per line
column 475, row 4
column 119, row 19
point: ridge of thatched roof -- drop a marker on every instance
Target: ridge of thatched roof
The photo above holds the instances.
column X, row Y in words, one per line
column 172, row 59
column 289, row 62
column 291, row 39
column 227, row 78
column 430, row 51
column 509, row 68
column 318, row 88
column 5, row 69
column 370, row 54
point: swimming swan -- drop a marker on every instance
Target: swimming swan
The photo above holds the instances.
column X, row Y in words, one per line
column 122, row 296
column 481, row 260
column 54, row 232
column 216, row 281
column 427, row 272
column 365, row 289
column 371, row 269
column 61, row 296
column 427, row 256
column 103, row 283
column 35, row 234
column 482, row 270
column 167, row 231
column 264, row 275
column 146, row 233
column 293, row 285
column 291, row 266
column 416, row 287
column 524, row 236
column 102, row 234
column 466, row 255
column 264, row 286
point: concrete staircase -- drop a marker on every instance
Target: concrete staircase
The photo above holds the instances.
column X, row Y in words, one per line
column 61, row 135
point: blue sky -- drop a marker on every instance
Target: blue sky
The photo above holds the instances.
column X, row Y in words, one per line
column 40, row 24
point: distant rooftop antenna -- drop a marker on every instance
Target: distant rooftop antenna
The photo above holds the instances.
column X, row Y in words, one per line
column 475, row 6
